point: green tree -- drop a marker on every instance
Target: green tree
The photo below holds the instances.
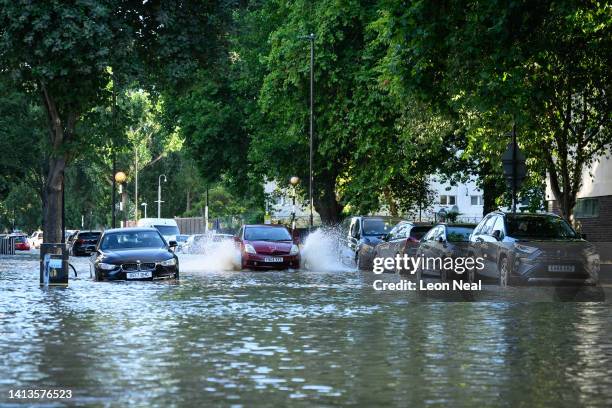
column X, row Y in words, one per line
column 544, row 65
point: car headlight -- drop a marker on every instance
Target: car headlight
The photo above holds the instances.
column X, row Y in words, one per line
column 168, row 262
column 249, row 249
column 294, row 250
column 525, row 249
column 106, row 266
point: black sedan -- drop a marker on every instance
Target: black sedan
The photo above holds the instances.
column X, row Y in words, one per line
column 134, row 254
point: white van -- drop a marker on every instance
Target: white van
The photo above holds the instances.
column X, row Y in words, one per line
column 166, row 226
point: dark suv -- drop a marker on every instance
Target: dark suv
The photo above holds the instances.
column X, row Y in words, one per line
column 364, row 233
column 528, row 247
column 84, row 242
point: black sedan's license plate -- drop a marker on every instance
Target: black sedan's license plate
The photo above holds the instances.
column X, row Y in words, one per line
column 139, row 275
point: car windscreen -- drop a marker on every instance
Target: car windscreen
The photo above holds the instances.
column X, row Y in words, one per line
column 458, row 234
column 89, row 235
column 376, row 227
column 168, row 229
column 538, row 227
column 418, row 231
column 266, row 234
column 131, row 239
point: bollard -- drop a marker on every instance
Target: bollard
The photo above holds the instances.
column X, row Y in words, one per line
column 53, row 264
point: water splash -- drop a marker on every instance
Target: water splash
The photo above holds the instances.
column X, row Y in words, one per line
column 324, row 250
column 211, row 257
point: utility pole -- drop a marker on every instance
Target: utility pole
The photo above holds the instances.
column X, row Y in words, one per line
column 114, row 193
column 311, row 37
column 206, row 212
column 159, row 200
column 514, row 175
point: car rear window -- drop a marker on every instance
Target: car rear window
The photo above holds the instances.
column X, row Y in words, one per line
column 90, row 235
column 418, row 231
column 458, row 234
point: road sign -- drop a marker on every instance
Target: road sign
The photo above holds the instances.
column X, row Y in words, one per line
column 514, row 165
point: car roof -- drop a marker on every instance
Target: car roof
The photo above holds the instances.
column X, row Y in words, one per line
column 136, row 229
column 265, row 225
column 528, row 214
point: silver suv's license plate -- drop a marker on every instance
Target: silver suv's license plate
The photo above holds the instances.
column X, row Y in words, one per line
column 272, row 259
column 138, row 275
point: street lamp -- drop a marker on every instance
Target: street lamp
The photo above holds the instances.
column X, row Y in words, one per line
column 120, row 178
column 145, row 209
column 159, row 200
column 294, row 182
column 311, row 38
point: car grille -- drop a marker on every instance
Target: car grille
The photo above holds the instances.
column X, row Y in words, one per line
column 138, row 267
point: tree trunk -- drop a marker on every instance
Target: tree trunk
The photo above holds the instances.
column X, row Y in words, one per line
column 60, row 132
column 325, row 202
column 52, row 203
column 188, row 201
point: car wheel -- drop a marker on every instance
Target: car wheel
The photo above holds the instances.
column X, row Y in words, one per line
column 444, row 275
column 504, row 272
column 419, row 273
column 397, row 270
column 470, row 273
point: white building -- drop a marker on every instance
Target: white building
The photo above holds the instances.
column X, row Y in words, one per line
column 280, row 205
column 593, row 211
column 464, row 198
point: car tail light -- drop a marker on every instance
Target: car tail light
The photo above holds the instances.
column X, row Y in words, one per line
column 80, row 241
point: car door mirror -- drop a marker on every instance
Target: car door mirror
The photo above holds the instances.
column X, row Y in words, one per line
column 441, row 240
column 583, row 236
column 497, row 234
column 172, row 244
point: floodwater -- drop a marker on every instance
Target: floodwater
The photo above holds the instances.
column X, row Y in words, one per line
column 295, row 338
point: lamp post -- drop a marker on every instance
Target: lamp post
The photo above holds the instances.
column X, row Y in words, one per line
column 311, row 37
column 145, row 209
column 159, row 200
column 120, row 178
column 294, row 182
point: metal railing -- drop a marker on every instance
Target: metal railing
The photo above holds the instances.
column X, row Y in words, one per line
column 7, row 246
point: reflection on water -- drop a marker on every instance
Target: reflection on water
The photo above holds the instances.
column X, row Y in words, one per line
column 296, row 338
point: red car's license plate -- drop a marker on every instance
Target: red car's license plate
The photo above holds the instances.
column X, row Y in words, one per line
column 272, row 259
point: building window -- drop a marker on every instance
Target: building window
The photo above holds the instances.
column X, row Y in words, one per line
column 476, row 199
column 586, row 208
column 447, row 200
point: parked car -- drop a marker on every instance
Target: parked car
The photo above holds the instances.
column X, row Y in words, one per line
column 181, row 239
column 402, row 240
column 36, row 239
column 166, row 226
column 528, row 247
column 21, row 242
column 443, row 242
column 134, row 254
column 364, row 233
column 84, row 242
column 265, row 246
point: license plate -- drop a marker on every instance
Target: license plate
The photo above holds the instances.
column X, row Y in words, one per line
column 561, row 268
column 139, row 275
column 273, row 259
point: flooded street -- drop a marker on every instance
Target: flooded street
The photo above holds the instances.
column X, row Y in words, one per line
column 298, row 338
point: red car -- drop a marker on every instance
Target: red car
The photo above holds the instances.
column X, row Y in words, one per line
column 267, row 247
column 21, row 243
